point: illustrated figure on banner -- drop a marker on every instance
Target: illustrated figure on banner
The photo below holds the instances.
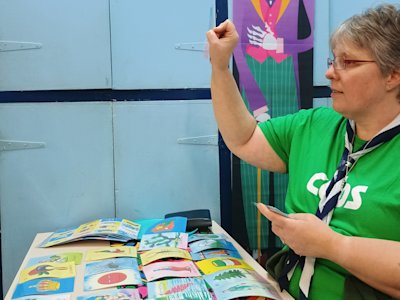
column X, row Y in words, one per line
column 267, row 59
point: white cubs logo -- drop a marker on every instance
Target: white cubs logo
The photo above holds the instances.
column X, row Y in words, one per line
column 354, row 202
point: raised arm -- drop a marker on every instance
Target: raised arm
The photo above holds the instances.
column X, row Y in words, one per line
column 237, row 126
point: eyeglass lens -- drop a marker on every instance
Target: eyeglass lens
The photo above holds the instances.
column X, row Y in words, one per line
column 337, row 62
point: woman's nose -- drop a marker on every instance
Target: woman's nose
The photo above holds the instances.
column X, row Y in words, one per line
column 330, row 73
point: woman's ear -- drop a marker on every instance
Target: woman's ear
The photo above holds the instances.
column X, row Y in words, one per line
column 393, row 80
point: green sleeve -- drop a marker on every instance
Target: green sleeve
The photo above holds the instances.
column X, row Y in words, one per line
column 280, row 131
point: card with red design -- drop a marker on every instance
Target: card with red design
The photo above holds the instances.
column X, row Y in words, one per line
column 111, row 273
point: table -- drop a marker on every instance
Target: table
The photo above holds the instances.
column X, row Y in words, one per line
column 83, row 246
column 216, row 228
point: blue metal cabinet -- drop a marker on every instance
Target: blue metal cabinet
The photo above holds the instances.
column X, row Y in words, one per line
column 328, row 16
column 47, row 45
column 321, row 42
column 56, row 170
column 160, row 44
column 62, row 164
column 166, row 158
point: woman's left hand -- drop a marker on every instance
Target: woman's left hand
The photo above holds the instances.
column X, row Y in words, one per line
column 305, row 234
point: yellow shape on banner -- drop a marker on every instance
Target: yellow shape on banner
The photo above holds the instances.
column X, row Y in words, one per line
column 257, row 7
column 284, row 4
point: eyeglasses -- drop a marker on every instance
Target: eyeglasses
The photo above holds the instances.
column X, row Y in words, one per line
column 340, row 63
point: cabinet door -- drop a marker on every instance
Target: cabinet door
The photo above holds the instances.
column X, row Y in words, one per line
column 160, row 44
column 166, row 158
column 61, row 174
column 48, row 45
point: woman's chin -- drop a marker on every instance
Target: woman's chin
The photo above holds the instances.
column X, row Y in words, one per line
column 340, row 109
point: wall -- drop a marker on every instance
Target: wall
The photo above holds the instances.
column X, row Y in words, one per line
column 68, row 158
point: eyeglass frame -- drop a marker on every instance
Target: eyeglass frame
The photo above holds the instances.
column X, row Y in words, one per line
column 332, row 62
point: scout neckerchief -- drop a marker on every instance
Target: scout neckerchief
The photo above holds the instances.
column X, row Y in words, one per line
column 330, row 199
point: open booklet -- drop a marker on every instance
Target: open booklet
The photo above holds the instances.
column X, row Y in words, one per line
column 112, row 229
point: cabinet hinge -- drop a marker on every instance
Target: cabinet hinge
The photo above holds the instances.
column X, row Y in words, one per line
column 191, row 46
column 15, row 46
column 211, row 140
column 6, row 145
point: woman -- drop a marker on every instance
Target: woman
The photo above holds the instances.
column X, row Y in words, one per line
column 344, row 181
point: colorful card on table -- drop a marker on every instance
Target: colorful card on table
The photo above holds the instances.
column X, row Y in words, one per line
column 166, row 239
column 173, row 224
column 215, row 253
column 112, row 294
column 113, row 229
column 75, row 257
column 236, row 283
column 210, row 244
column 44, row 286
column 179, row 288
column 182, row 268
column 110, row 252
column 111, row 273
column 206, row 236
column 211, row 265
column 59, row 237
column 111, row 279
column 45, row 297
column 163, row 252
column 62, row 270
column 145, row 224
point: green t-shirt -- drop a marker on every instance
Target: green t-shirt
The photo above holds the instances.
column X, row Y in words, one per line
column 311, row 143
